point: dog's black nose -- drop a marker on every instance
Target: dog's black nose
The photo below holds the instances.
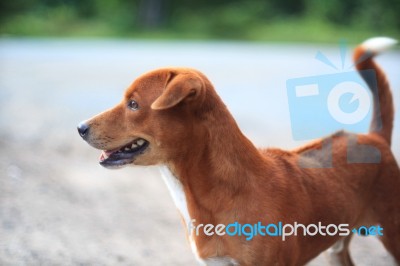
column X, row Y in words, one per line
column 83, row 129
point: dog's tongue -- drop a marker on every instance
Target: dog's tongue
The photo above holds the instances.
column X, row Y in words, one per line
column 105, row 154
column 108, row 153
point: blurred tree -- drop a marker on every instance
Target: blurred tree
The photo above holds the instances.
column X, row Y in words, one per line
column 12, row 8
column 219, row 18
column 151, row 13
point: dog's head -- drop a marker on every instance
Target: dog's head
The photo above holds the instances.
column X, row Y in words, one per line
column 159, row 110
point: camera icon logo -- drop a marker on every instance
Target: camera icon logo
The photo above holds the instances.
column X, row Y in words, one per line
column 321, row 105
column 324, row 104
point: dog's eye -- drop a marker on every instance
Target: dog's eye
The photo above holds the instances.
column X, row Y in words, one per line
column 133, row 105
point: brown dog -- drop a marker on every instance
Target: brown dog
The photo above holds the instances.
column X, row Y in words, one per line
column 174, row 118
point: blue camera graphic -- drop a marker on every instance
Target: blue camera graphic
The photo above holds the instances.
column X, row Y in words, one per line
column 321, row 105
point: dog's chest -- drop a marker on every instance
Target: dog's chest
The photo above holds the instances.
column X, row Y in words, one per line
column 176, row 190
column 178, row 196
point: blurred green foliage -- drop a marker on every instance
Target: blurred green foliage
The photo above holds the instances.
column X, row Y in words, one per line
column 272, row 20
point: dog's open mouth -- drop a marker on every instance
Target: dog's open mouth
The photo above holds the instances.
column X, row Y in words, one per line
column 123, row 155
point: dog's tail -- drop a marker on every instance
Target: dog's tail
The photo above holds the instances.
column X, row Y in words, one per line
column 383, row 112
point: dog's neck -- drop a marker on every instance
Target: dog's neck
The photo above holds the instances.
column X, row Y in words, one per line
column 213, row 177
column 221, row 165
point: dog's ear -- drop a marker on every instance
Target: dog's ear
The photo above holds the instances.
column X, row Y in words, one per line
column 180, row 87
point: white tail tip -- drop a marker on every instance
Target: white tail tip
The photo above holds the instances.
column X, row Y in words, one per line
column 377, row 45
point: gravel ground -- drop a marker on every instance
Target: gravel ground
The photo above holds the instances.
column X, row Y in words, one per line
column 58, row 207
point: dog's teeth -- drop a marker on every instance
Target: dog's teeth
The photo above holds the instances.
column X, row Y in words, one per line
column 126, row 149
column 140, row 142
column 133, row 146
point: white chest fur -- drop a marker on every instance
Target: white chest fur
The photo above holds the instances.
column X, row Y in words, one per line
column 178, row 196
column 176, row 190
